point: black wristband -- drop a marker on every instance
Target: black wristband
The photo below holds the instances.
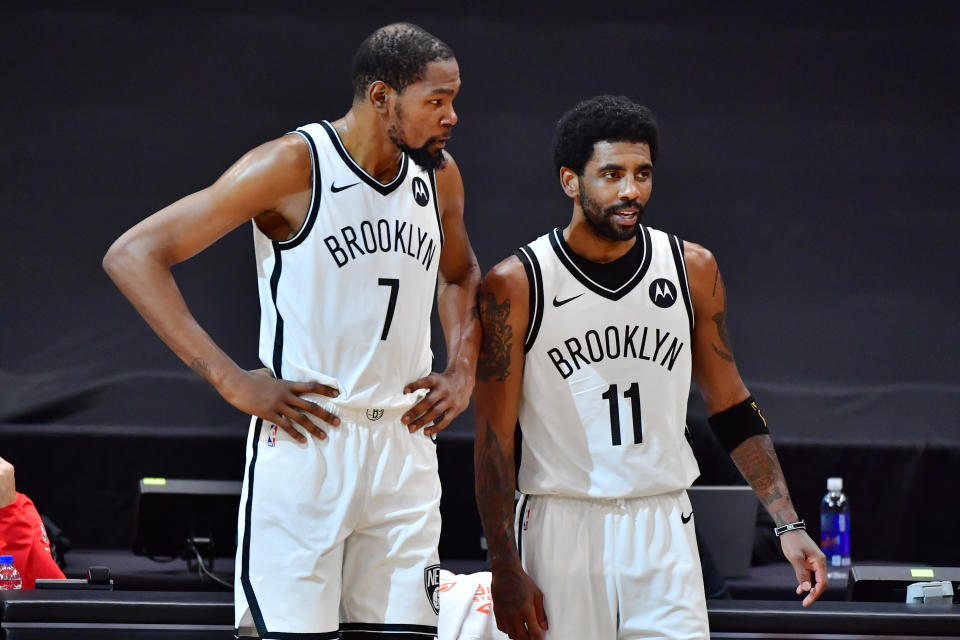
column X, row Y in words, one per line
column 741, row 421
column 790, row 526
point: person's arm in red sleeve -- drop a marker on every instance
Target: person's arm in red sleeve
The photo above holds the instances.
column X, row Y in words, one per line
column 22, row 534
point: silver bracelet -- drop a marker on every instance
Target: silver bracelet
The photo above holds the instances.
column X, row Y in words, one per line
column 790, row 526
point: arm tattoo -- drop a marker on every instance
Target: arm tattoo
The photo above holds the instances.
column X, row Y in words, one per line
column 757, row 461
column 201, row 367
column 494, row 361
column 495, row 489
column 720, row 319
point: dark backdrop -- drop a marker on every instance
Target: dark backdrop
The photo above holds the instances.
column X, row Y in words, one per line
column 810, row 147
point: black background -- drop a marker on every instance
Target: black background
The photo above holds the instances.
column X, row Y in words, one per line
column 810, row 147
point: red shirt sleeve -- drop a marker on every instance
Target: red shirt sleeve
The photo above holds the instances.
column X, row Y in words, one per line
column 23, row 536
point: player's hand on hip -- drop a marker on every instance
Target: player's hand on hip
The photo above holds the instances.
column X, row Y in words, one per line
column 805, row 556
column 518, row 604
column 258, row 393
column 448, row 394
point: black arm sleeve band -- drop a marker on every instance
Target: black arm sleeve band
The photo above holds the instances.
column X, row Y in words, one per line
column 741, row 421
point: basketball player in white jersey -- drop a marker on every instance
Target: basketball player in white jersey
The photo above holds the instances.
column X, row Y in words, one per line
column 591, row 335
column 353, row 220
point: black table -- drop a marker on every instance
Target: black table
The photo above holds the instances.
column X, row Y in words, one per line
column 140, row 615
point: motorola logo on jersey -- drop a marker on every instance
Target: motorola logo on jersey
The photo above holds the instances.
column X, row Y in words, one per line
column 663, row 293
column 420, row 193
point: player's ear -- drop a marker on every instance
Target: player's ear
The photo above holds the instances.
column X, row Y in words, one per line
column 570, row 182
column 379, row 95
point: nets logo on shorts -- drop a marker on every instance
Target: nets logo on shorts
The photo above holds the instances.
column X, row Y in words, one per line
column 431, row 582
column 663, row 293
column 374, row 414
column 420, row 193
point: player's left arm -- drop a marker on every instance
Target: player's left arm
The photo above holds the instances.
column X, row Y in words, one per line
column 458, row 282
column 736, row 417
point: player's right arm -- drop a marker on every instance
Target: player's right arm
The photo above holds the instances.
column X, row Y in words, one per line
column 267, row 183
column 503, row 305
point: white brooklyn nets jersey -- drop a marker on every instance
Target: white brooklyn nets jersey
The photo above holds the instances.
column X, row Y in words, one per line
column 347, row 300
column 607, row 375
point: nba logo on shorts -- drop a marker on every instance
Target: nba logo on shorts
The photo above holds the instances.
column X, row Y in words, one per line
column 526, row 519
column 272, row 436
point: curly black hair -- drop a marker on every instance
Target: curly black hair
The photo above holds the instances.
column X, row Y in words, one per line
column 603, row 118
column 397, row 54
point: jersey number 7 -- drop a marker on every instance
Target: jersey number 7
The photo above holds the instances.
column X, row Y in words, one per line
column 394, row 284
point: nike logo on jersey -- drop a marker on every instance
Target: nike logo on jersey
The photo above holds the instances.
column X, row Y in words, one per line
column 334, row 188
column 560, row 303
column 685, row 519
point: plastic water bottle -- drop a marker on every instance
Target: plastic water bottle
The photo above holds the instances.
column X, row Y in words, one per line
column 835, row 529
column 9, row 576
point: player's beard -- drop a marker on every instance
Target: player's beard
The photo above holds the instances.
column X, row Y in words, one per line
column 602, row 219
column 422, row 156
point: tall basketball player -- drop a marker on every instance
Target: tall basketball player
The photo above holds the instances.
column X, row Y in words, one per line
column 591, row 334
column 352, row 222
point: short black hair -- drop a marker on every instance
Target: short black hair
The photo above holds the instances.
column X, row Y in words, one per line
column 603, row 118
column 397, row 54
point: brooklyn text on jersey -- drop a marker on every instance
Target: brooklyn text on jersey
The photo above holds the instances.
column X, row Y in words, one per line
column 382, row 236
column 615, row 343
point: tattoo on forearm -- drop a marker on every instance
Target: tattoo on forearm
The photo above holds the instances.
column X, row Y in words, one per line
column 509, row 590
column 757, row 461
column 495, row 489
column 201, row 367
column 494, row 360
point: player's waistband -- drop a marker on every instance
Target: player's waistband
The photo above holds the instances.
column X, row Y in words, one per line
column 371, row 416
column 608, row 502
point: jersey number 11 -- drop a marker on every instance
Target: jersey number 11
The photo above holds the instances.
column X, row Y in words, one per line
column 611, row 396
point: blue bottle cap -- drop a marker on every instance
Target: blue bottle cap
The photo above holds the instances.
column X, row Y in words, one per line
column 6, row 559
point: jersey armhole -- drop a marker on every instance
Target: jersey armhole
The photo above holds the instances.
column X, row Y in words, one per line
column 535, row 284
column 436, row 203
column 676, row 246
column 315, row 195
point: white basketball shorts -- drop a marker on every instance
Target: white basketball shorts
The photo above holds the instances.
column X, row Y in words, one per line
column 337, row 538
column 614, row 568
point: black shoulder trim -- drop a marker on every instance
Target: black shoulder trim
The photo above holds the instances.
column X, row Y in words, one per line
column 383, row 189
column 611, row 294
column 676, row 246
column 245, row 552
column 317, row 193
column 278, row 335
column 535, row 284
column 436, row 203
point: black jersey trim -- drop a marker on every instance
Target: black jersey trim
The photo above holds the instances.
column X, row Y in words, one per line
column 535, row 284
column 245, row 554
column 521, row 508
column 436, row 203
column 278, row 335
column 365, row 631
column 380, row 187
column 556, row 241
column 676, row 246
column 317, row 187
